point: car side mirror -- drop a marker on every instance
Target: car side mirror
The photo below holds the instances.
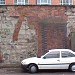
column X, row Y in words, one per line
column 44, row 57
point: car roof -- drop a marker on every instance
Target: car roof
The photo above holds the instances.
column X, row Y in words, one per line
column 60, row 50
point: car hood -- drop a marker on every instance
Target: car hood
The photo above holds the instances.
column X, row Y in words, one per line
column 31, row 60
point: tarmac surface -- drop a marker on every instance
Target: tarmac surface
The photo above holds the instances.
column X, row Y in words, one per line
column 19, row 71
column 10, row 70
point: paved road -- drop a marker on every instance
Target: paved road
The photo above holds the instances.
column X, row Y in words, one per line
column 18, row 71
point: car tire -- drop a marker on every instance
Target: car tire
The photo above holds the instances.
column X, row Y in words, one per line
column 33, row 68
column 72, row 68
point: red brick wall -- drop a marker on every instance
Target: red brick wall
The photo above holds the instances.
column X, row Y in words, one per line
column 55, row 2
column 32, row 2
column 9, row 2
column 50, row 33
column 73, row 2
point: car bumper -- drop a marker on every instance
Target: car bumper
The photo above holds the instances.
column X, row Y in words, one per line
column 24, row 67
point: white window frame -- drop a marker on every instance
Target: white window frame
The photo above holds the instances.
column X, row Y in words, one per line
column 66, row 3
column 21, row 3
column 2, row 1
column 43, row 3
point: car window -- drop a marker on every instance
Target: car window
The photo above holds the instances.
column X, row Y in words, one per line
column 53, row 54
column 66, row 54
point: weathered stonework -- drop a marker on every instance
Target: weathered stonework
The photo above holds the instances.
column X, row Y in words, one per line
column 71, row 26
column 13, row 52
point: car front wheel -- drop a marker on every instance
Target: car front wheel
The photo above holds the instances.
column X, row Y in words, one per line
column 33, row 68
column 72, row 67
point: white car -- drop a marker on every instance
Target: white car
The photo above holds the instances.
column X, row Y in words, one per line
column 54, row 59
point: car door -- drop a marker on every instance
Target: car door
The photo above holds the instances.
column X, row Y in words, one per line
column 67, row 58
column 50, row 61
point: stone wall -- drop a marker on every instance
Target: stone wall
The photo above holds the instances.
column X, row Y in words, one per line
column 14, row 50
column 71, row 26
column 27, row 31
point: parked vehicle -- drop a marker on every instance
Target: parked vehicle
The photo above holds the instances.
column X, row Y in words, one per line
column 54, row 59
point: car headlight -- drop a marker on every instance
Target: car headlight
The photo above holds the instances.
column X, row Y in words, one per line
column 23, row 62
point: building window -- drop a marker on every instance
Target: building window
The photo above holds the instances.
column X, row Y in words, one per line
column 44, row 2
column 66, row 2
column 21, row 2
column 2, row 2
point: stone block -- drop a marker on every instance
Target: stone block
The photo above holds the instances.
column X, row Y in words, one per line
column 8, row 18
column 22, row 31
column 68, row 13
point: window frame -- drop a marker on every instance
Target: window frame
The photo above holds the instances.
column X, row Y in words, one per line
column 21, row 3
column 43, row 3
column 69, row 2
column 3, row 1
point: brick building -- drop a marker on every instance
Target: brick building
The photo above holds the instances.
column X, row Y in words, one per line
column 37, row 2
